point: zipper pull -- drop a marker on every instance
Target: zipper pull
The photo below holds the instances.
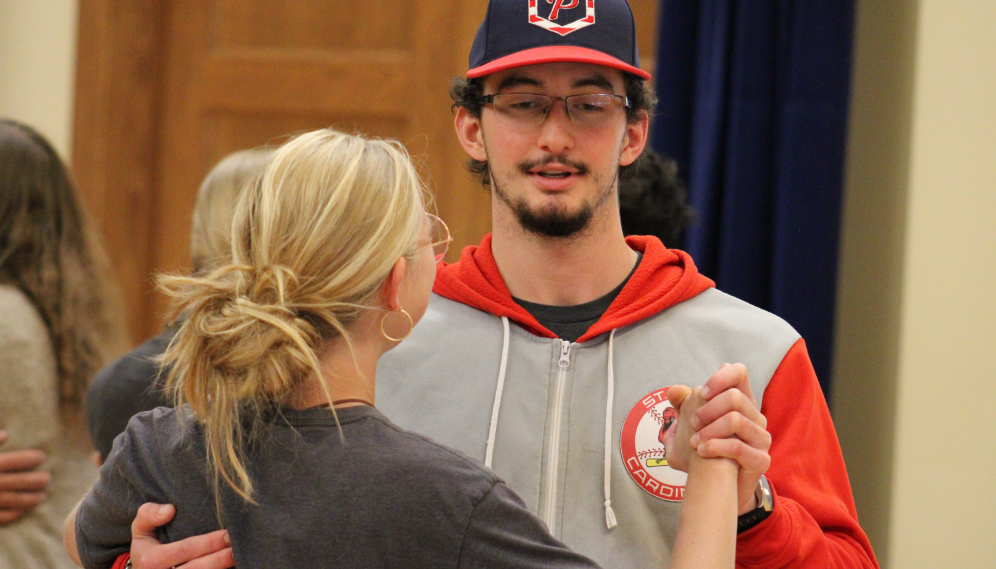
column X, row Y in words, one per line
column 565, row 354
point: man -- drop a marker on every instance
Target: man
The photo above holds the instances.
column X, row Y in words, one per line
column 547, row 349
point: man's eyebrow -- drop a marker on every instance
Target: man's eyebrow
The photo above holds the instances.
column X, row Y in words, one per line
column 596, row 80
column 516, row 80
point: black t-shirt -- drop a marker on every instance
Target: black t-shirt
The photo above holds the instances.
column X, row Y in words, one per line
column 571, row 322
column 127, row 386
column 371, row 495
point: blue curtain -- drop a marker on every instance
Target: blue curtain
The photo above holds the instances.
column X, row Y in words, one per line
column 753, row 105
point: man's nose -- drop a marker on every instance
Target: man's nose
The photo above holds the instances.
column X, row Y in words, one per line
column 557, row 131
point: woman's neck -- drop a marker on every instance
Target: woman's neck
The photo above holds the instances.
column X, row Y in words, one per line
column 346, row 374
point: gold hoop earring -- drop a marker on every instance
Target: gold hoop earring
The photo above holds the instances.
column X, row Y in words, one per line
column 411, row 325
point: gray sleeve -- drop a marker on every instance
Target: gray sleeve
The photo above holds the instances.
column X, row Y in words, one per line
column 503, row 533
column 103, row 522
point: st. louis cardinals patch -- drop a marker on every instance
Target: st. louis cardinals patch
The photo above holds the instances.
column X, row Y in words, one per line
column 643, row 447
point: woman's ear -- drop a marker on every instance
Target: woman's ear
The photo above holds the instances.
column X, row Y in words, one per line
column 392, row 286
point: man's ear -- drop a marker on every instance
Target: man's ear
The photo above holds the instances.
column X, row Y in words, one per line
column 391, row 291
column 634, row 140
column 468, row 131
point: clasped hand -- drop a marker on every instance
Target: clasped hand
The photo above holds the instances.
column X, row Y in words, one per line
column 722, row 421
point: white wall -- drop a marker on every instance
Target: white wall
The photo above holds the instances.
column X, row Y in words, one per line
column 916, row 363
column 944, row 472
column 38, row 65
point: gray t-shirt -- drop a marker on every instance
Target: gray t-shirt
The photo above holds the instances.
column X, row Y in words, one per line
column 377, row 496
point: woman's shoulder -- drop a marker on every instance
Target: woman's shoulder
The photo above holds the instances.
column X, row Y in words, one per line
column 19, row 319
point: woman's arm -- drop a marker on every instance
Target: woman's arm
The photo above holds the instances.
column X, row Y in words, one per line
column 707, row 524
column 69, row 535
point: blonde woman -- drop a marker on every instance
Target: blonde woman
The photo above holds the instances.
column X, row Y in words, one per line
column 279, row 442
column 133, row 383
column 58, row 325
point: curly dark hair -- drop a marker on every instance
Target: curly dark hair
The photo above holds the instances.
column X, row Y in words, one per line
column 654, row 201
column 467, row 93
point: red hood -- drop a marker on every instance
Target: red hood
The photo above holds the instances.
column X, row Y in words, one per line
column 664, row 278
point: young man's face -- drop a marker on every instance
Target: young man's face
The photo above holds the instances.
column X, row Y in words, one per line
column 557, row 175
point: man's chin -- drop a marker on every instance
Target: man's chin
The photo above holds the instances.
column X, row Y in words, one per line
column 553, row 222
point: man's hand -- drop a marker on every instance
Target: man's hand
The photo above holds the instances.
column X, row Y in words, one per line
column 731, row 426
column 21, row 486
column 209, row 551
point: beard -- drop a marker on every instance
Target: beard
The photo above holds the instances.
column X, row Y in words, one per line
column 554, row 220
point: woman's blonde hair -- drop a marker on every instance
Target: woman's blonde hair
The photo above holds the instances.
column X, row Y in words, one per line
column 49, row 251
column 211, row 226
column 313, row 240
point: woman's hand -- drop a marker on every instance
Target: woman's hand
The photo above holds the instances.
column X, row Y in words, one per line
column 677, row 445
column 21, row 486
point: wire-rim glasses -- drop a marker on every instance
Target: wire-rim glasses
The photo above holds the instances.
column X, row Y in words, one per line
column 439, row 237
column 592, row 110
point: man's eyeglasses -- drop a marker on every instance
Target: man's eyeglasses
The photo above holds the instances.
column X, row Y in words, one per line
column 439, row 237
column 530, row 110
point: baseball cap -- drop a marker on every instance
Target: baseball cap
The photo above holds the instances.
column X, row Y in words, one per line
column 515, row 33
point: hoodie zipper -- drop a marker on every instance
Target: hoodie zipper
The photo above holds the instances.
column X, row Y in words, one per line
column 549, row 513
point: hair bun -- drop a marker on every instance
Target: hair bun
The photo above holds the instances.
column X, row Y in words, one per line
column 249, row 330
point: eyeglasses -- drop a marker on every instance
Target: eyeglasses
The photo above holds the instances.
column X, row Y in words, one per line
column 439, row 237
column 530, row 110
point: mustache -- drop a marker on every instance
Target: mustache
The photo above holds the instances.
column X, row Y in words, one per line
column 563, row 160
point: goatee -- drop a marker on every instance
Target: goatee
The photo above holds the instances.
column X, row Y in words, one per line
column 554, row 221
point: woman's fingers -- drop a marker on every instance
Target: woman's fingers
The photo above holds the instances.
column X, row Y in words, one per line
column 18, row 460
column 9, row 516
column 35, row 481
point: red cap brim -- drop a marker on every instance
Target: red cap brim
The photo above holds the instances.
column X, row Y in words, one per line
column 554, row 54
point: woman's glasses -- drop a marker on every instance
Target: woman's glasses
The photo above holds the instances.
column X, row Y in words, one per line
column 439, row 237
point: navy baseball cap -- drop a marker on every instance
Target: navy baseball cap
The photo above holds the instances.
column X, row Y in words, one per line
column 515, row 33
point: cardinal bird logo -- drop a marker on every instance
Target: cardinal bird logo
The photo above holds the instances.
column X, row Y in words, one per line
column 643, row 447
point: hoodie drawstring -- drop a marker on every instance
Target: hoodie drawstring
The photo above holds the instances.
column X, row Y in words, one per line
column 498, row 390
column 610, row 516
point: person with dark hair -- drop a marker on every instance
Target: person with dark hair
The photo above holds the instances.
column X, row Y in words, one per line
column 58, row 324
column 653, row 201
column 547, row 350
column 133, row 383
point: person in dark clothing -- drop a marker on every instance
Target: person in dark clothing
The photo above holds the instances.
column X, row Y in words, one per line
column 654, row 201
column 133, row 383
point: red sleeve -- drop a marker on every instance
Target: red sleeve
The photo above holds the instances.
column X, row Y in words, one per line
column 814, row 523
column 121, row 561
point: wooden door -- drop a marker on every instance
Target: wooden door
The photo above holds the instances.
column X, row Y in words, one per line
column 222, row 75
column 167, row 88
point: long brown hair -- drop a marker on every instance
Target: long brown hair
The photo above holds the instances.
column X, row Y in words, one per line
column 313, row 239
column 47, row 250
